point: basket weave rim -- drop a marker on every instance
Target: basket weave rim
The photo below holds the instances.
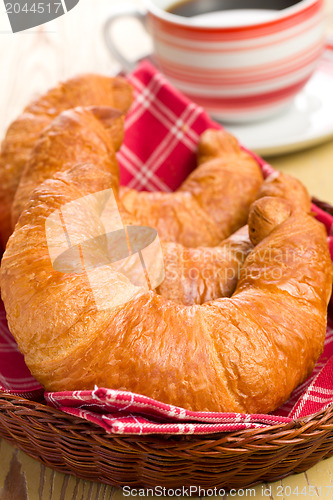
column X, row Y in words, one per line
column 91, row 432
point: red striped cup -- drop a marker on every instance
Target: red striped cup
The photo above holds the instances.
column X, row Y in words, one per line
column 240, row 64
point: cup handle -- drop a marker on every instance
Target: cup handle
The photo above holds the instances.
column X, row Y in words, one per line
column 125, row 11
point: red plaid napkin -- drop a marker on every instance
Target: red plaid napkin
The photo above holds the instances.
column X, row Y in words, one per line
column 162, row 132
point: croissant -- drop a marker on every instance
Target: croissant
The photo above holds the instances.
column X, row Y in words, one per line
column 172, row 214
column 217, row 195
column 22, row 134
column 195, row 347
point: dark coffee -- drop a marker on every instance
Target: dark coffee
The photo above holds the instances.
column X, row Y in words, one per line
column 189, row 8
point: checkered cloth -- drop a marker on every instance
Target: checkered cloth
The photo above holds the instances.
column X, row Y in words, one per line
column 162, row 132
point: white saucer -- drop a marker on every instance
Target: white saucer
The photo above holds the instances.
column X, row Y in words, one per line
column 307, row 122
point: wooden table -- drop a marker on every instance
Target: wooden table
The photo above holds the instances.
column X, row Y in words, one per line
column 31, row 62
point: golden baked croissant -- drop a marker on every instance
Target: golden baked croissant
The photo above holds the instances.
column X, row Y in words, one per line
column 245, row 353
column 92, row 134
column 22, row 134
column 102, row 128
column 217, row 195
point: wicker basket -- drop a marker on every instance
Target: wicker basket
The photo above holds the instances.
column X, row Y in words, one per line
column 228, row 460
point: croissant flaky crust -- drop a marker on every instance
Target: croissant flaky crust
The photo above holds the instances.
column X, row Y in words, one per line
column 236, row 342
column 22, row 134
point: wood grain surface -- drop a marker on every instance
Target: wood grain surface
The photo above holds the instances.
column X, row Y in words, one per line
column 31, row 62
